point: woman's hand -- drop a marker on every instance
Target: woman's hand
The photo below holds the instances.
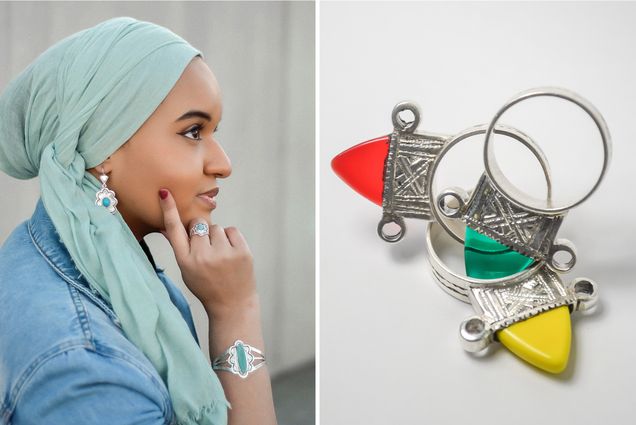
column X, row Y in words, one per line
column 217, row 268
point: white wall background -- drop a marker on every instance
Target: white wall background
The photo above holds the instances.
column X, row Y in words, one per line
column 389, row 345
column 263, row 57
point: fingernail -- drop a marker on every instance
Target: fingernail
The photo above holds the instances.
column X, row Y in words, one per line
column 163, row 193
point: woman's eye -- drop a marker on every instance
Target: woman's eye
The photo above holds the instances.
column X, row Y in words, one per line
column 195, row 130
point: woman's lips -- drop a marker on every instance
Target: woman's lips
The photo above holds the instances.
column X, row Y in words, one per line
column 210, row 201
column 209, row 197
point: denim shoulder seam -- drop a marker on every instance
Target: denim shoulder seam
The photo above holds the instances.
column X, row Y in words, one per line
column 8, row 407
column 82, row 314
column 76, row 284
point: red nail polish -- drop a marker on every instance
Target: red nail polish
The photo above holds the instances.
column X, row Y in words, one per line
column 163, row 193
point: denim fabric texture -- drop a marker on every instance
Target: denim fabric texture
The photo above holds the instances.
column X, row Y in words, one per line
column 64, row 358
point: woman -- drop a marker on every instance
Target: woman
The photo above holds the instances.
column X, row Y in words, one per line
column 118, row 122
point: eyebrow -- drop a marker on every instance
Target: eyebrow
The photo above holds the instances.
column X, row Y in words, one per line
column 194, row 113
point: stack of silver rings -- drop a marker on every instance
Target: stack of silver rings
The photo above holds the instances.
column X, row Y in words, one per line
column 494, row 208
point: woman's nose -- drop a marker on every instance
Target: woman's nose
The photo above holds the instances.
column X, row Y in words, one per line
column 218, row 163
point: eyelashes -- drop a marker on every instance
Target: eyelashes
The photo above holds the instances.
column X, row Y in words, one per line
column 196, row 129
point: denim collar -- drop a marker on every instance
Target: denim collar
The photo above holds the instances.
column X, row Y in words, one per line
column 49, row 244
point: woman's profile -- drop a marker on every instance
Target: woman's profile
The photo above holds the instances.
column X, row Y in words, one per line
column 118, row 122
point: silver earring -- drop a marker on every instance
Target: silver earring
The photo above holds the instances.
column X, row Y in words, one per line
column 106, row 197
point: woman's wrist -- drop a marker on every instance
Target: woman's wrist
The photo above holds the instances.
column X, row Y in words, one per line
column 241, row 321
column 230, row 312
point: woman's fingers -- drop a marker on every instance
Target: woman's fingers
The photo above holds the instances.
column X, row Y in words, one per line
column 175, row 231
column 217, row 268
column 223, row 241
column 236, row 238
column 218, row 237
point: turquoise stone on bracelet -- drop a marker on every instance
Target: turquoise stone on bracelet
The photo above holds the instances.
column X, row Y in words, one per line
column 242, row 358
column 239, row 358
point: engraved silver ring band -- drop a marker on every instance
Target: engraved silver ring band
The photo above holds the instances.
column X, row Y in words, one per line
column 409, row 166
column 534, row 290
column 456, row 228
column 455, row 284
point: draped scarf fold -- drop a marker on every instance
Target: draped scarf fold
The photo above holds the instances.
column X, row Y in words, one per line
column 71, row 108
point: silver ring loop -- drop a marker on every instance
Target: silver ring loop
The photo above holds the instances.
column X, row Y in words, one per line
column 399, row 123
column 507, row 189
column 388, row 219
column 586, row 291
column 456, row 228
column 562, row 245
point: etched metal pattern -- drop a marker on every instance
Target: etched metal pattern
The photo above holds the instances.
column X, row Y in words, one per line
column 501, row 305
column 406, row 174
column 491, row 214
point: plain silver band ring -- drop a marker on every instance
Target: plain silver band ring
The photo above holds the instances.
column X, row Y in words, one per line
column 507, row 189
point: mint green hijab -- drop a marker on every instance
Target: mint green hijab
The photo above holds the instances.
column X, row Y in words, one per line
column 71, row 108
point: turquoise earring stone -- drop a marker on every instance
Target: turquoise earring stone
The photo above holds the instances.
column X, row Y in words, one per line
column 105, row 202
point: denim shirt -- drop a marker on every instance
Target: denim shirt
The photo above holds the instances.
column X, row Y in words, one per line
column 64, row 358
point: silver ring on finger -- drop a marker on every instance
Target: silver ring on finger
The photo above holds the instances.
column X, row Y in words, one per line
column 200, row 229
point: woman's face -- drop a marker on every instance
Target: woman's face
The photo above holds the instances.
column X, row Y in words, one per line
column 174, row 149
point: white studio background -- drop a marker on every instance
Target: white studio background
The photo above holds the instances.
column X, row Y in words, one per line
column 263, row 57
column 389, row 343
